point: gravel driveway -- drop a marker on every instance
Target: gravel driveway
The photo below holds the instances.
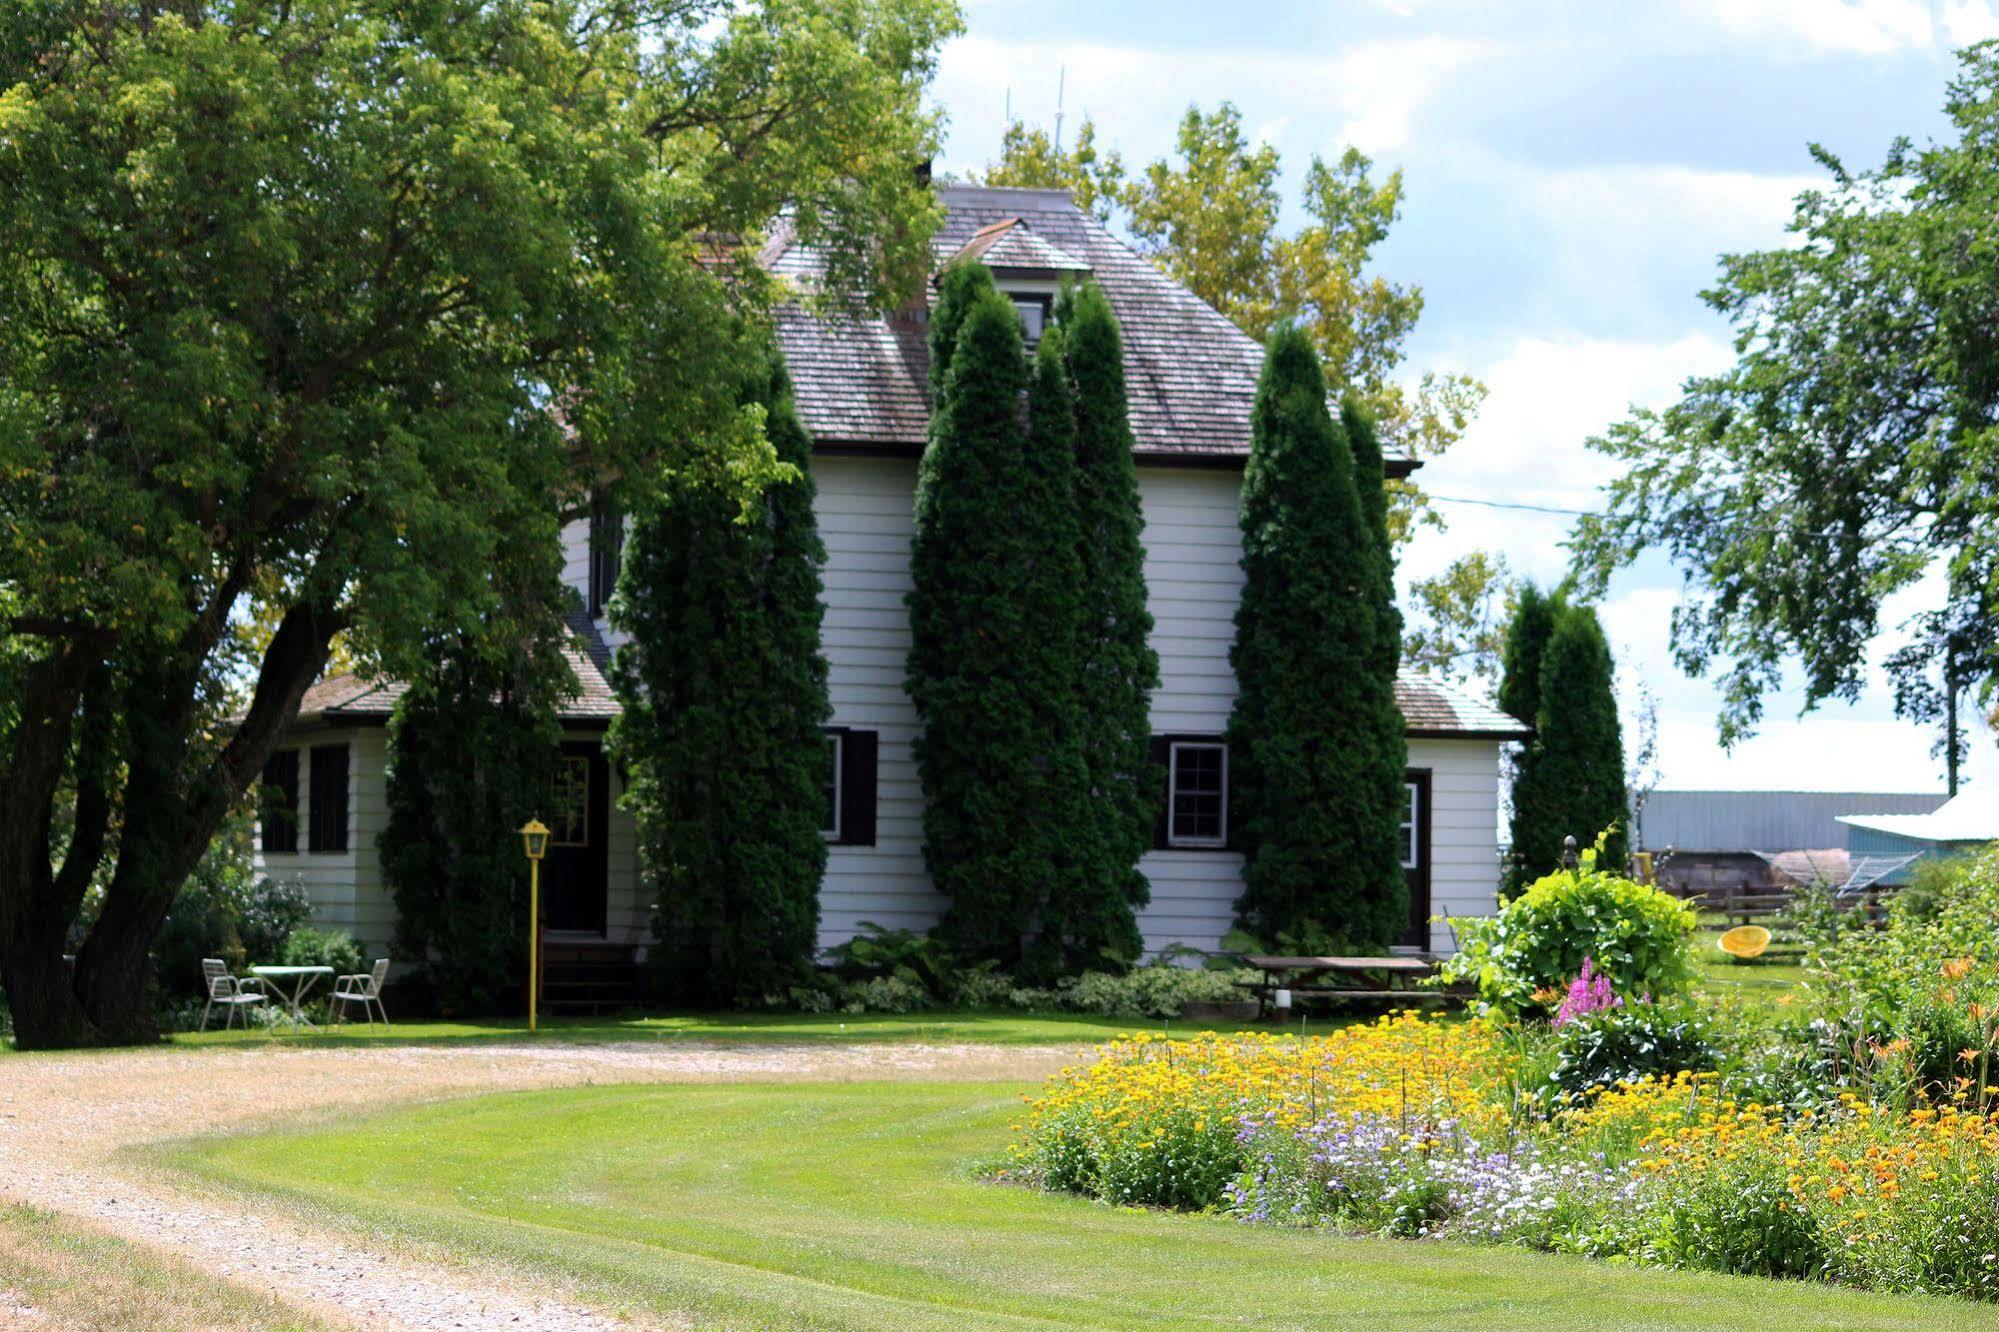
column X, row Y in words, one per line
column 62, row 1118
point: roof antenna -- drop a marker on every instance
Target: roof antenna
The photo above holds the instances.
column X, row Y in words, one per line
column 1009, row 104
column 1061, row 78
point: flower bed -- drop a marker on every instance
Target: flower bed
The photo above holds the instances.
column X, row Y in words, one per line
column 1422, row 1128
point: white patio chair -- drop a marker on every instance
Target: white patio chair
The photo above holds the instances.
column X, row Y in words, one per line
column 232, row 994
column 363, row 988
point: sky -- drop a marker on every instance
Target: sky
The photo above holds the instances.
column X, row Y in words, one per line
column 1572, row 171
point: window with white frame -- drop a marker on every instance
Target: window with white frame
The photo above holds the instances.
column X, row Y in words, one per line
column 1411, row 820
column 830, row 785
column 1197, row 793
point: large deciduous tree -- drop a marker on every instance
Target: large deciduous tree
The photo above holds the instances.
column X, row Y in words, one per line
column 1315, row 741
column 1848, row 459
column 1118, row 667
column 301, row 304
column 1571, row 780
column 723, row 689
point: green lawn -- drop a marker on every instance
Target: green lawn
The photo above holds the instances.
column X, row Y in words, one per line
column 71, row 1275
column 856, row 1205
column 933, row 1028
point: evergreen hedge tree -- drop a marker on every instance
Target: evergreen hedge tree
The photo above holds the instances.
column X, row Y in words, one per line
column 993, row 638
column 1314, row 739
column 473, row 745
column 1526, row 639
column 723, row 689
column 1119, row 669
column 1571, row 780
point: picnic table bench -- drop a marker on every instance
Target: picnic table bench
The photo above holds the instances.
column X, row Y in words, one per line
column 1300, row 975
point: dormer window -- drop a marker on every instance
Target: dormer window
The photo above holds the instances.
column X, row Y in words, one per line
column 1026, row 267
column 1035, row 312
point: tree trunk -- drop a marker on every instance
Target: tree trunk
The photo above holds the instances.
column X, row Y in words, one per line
column 170, row 815
column 33, row 923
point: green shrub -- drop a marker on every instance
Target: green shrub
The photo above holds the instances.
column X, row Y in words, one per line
column 1636, row 934
column 884, row 994
column 1624, row 1044
column 1162, row 990
column 915, row 958
column 1742, row 1220
column 323, row 948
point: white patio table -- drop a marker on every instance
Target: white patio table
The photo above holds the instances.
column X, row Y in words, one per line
column 300, row 980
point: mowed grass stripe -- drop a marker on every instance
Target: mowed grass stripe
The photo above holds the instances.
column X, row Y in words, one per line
column 851, row 1205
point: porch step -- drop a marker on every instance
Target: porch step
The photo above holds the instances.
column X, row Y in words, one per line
column 591, row 978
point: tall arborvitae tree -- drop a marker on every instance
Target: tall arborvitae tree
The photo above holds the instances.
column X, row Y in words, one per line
column 1526, row 639
column 1119, row 667
column 1088, row 916
column 1571, row 782
column 723, row 688
column 1309, row 740
column 992, row 660
column 1385, row 750
column 472, row 750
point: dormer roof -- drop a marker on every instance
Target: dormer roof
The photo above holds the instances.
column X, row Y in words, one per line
column 1010, row 249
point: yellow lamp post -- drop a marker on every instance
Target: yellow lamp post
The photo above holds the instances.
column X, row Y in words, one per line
column 534, row 839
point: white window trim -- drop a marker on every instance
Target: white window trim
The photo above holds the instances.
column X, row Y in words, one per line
column 1173, row 837
column 832, row 833
column 1412, row 856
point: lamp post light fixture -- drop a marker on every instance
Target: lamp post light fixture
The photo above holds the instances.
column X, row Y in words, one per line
column 534, row 840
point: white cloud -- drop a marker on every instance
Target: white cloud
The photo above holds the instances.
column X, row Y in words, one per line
column 1856, row 27
column 1967, row 21
column 1375, row 88
column 1548, row 395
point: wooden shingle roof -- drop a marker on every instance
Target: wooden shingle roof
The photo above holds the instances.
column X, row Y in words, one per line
column 1433, row 709
column 352, row 701
column 861, row 381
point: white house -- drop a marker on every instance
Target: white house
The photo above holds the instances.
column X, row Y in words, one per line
column 861, row 391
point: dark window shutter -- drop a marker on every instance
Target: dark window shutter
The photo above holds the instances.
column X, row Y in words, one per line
column 329, row 798
column 278, row 803
column 1162, row 754
column 858, row 751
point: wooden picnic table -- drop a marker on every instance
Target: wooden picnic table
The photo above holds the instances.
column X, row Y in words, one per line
column 1285, row 972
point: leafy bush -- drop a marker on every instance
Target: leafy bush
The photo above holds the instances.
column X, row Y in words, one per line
column 1623, row 1044
column 915, row 958
column 1741, row 1218
column 268, row 915
column 884, row 994
column 324, row 948
column 1635, row 934
column 223, row 911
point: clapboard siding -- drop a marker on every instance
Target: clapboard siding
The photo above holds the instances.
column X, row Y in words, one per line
column 865, row 509
column 1193, row 578
column 1464, row 829
column 866, row 517
column 344, row 887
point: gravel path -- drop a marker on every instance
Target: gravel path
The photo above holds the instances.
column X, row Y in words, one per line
column 63, row 1117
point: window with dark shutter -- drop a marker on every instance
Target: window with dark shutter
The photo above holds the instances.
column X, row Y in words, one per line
column 277, row 803
column 327, row 829
column 607, row 549
column 854, row 780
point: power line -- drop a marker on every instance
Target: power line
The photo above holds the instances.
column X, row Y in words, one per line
column 1528, row 509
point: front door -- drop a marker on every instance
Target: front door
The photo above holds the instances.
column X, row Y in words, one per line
column 573, row 874
column 1416, row 855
